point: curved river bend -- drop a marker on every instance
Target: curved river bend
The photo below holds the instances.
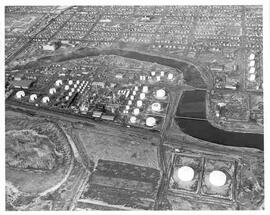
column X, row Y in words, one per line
column 192, row 104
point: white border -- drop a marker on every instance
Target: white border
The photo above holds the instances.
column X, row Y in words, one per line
column 265, row 4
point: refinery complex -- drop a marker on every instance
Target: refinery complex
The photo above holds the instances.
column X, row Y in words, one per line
column 134, row 108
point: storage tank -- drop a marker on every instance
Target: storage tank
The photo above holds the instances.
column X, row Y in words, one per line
column 20, row 94
column 33, row 97
column 217, row 178
column 129, row 102
column 170, row 76
column 136, row 111
column 156, row 107
column 160, row 93
column 162, row 73
column 142, row 96
column 139, row 103
column 133, row 119
column 150, row 121
column 58, row 83
column 52, row 91
column 185, row 173
column 251, row 56
column 45, row 99
column 145, row 89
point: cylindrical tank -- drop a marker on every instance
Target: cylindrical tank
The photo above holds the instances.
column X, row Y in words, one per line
column 52, row 91
column 142, row 96
column 136, row 111
column 156, row 106
column 160, row 93
column 145, row 89
column 185, row 173
column 150, row 121
column 170, row 76
column 33, row 97
column 139, row 103
column 133, row 119
column 45, row 99
column 217, row 178
column 20, row 94
column 162, row 73
column 58, row 83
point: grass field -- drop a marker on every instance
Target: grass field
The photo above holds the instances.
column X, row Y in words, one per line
column 115, row 147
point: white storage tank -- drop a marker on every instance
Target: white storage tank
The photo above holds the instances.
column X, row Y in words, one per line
column 156, row 107
column 66, row 87
column 133, row 119
column 160, row 93
column 20, row 94
column 252, row 63
column 185, row 173
column 33, row 97
column 139, row 103
column 58, row 83
column 142, row 96
column 136, row 111
column 52, row 91
column 45, row 99
column 217, row 178
column 252, row 70
column 251, row 56
column 145, row 89
column 150, row 121
column 170, row 76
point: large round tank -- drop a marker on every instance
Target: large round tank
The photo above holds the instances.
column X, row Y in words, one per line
column 160, row 93
column 20, row 94
column 33, row 97
column 151, row 121
column 217, row 178
column 185, row 173
column 156, row 106
column 45, row 99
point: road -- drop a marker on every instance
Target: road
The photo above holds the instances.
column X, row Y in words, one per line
column 174, row 99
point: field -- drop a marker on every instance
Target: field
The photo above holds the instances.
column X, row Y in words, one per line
column 116, row 146
column 121, row 184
